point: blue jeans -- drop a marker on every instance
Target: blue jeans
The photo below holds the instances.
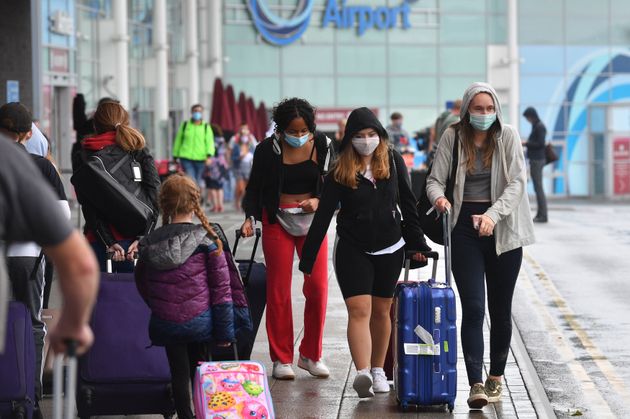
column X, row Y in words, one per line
column 194, row 169
column 476, row 267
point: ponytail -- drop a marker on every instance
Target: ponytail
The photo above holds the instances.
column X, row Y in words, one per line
column 129, row 138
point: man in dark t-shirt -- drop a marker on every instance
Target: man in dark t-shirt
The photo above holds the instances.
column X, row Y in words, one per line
column 29, row 212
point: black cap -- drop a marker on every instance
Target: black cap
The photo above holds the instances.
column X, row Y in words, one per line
column 361, row 118
column 15, row 117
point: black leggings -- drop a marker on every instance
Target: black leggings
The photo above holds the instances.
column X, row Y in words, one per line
column 183, row 360
column 361, row 274
column 472, row 257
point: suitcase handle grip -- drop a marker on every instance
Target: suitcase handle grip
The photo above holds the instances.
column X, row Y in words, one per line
column 429, row 255
column 239, row 235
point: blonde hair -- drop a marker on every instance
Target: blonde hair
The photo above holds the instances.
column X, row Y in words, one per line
column 111, row 116
column 349, row 163
column 179, row 194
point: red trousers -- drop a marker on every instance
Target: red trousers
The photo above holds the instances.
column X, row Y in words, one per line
column 279, row 247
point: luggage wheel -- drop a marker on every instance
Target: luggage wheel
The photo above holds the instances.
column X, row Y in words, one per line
column 451, row 407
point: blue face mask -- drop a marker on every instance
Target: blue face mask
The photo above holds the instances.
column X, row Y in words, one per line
column 197, row 116
column 482, row 122
column 296, row 141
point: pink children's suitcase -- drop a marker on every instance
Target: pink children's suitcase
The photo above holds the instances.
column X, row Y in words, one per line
column 232, row 389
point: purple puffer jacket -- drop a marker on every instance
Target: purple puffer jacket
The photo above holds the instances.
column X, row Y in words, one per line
column 193, row 293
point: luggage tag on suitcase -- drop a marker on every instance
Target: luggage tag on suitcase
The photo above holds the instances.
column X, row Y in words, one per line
column 137, row 171
column 429, row 347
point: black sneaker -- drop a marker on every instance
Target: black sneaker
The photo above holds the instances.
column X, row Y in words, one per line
column 540, row 219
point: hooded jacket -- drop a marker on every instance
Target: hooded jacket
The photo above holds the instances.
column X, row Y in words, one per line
column 536, row 141
column 368, row 218
column 510, row 205
column 194, row 295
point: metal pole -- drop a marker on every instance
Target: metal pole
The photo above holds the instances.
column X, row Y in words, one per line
column 121, row 39
column 160, row 43
column 514, row 61
column 192, row 53
column 216, row 37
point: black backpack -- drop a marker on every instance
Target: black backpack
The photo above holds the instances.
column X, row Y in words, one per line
column 105, row 180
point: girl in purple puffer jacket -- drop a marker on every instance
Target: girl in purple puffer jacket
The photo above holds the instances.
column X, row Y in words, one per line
column 189, row 284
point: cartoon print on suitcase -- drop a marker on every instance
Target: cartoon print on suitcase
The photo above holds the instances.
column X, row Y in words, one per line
column 232, row 390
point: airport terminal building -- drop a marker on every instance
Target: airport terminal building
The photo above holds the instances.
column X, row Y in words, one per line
column 571, row 59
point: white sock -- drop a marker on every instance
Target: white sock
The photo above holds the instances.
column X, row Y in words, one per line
column 364, row 371
column 377, row 370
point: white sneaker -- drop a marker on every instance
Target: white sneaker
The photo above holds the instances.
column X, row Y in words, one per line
column 317, row 368
column 283, row 371
column 363, row 384
column 380, row 384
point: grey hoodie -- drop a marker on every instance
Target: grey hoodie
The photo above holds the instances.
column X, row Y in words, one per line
column 171, row 245
column 510, row 205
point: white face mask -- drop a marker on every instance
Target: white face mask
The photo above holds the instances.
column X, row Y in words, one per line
column 365, row 145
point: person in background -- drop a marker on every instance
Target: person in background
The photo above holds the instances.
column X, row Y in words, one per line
column 217, row 171
column 370, row 182
column 194, row 145
column 242, row 157
column 83, row 126
column 490, row 224
column 341, row 127
column 441, row 124
column 115, row 140
column 398, row 136
column 284, row 193
column 536, row 154
column 24, row 258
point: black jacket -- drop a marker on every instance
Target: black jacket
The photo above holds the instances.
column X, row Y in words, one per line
column 94, row 220
column 368, row 218
column 263, row 189
column 536, row 141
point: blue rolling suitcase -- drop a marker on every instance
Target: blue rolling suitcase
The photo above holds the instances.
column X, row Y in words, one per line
column 425, row 338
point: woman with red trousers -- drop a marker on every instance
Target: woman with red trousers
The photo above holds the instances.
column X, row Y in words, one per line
column 283, row 192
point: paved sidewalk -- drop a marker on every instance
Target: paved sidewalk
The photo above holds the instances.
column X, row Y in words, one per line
column 308, row 397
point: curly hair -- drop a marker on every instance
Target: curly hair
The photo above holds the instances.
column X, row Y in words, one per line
column 290, row 109
column 179, row 194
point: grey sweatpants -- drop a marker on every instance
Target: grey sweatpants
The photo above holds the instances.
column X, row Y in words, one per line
column 31, row 293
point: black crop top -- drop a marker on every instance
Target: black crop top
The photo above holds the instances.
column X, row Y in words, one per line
column 300, row 178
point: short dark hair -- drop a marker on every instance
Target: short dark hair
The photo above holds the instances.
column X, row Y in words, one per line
column 395, row 115
column 196, row 105
column 16, row 118
column 290, row 109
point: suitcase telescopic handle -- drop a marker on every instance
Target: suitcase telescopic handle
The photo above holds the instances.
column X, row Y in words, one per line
column 429, row 255
column 249, row 261
column 63, row 408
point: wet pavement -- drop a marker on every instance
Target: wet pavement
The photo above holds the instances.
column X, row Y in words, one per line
column 571, row 307
column 309, row 397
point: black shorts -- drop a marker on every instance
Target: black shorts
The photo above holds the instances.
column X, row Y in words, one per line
column 214, row 184
column 361, row 274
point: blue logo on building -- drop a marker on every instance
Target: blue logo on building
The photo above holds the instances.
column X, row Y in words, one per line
column 280, row 31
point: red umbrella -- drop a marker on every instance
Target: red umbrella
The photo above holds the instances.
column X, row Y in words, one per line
column 235, row 114
column 242, row 107
column 262, row 118
column 251, row 118
column 217, row 109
